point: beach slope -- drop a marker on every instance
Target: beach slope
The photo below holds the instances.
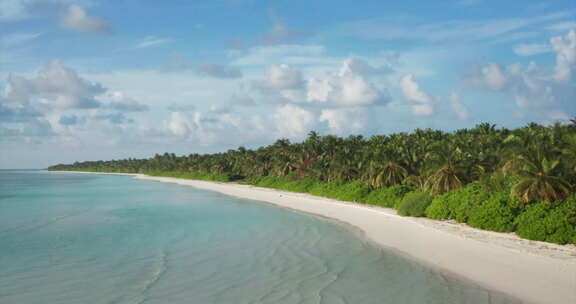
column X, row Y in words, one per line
column 534, row 272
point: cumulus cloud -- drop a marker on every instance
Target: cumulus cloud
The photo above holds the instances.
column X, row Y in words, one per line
column 349, row 86
column 345, row 88
column 179, row 124
column 282, row 77
column 293, row 121
column 76, row 19
column 541, row 89
column 492, row 76
column 120, row 102
column 345, row 121
column 54, row 87
column 219, row 71
column 414, row 93
column 565, row 48
column 532, row 49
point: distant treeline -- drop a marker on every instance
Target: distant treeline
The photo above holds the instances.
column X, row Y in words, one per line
column 497, row 179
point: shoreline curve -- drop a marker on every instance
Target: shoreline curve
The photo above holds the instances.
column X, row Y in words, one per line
column 531, row 271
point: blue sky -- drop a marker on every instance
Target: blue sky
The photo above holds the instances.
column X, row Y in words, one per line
column 89, row 79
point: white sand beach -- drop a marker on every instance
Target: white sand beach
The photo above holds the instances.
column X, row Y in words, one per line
column 534, row 272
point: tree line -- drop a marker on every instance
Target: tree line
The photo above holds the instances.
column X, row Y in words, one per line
column 520, row 180
column 542, row 160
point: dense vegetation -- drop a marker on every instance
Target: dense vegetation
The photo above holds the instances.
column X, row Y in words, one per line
column 497, row 179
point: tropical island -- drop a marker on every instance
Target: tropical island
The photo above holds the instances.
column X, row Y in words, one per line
column 497, row 179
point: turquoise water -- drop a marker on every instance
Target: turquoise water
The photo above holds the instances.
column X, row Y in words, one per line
column 83, row 238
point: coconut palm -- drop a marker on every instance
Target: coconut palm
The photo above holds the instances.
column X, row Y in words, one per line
column 539, row 179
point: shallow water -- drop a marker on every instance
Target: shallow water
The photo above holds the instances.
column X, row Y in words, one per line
column 82, row 238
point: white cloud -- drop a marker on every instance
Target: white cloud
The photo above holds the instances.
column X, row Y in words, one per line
column 121, row 102
column 345, row 88
column 76, row 19
column 345, row 121
column 54, row 87
column 423, row 109
column 282, row 77
column 179, row 124
column 152, row 41
column 459, row 108
column 293, row 121
column 412, row 91
column 532, row 49
column 565, row 48
column 492, row 76
column 539, row 89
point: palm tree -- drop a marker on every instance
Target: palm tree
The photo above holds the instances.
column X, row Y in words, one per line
column 446, row 168
column 539, row 180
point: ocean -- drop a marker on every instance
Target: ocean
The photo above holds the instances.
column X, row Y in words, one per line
column 87, row 238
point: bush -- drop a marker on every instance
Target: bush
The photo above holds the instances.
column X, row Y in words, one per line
column 268, row 181
column 550, row 222
column 303, row 185
column 199, row 176
column 497, row 213
column 388, row 197
column 414, row 204
column 355, row 191
column 456, row 204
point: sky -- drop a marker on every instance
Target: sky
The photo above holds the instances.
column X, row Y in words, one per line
column 98, row 80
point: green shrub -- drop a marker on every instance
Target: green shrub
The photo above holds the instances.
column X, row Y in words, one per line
column 456, row 204
column 355, row 191
column 303, row 185
column 388, row 197
column 414, row 204
column 325, row 189
column 550, row 222
column 199, row 176
column 269, row 181
column 497, row 213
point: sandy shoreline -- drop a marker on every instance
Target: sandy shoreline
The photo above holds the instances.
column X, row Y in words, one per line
column 534, row 272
